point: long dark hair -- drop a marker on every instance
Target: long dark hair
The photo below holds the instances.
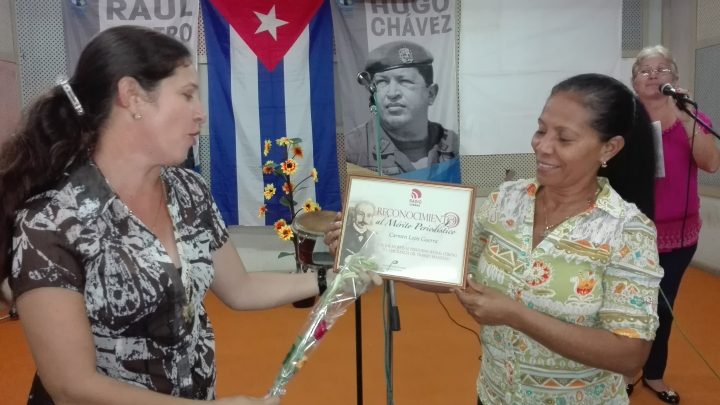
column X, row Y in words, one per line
column 615, row 110
column 54, row 139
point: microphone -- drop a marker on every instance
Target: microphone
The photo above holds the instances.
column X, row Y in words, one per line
column 668, row 90
column 364, row 79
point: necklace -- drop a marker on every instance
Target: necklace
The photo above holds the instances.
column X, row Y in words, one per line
column 549, row 227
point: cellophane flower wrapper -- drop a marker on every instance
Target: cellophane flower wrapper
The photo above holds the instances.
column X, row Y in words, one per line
column 347, row 286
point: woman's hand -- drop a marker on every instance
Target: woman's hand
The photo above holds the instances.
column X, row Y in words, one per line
column 486, row 305
column 366, row 279
column 679, row 113
column 332, row 234
column 705, row 152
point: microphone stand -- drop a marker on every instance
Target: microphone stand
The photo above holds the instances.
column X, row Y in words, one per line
column 392, row 318
column 682, row 104
column 358, row 351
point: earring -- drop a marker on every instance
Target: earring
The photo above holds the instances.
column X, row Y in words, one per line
column 137, row 116
column 603, row 164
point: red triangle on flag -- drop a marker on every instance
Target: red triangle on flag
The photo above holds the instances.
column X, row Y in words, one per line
column 269, row 28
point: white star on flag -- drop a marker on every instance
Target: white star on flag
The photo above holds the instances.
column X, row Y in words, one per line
column 269, row 23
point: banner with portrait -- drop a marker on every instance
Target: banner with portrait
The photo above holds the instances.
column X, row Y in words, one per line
column 395, row 42
column 85, row 18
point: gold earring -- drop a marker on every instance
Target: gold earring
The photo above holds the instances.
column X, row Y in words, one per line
column 603, row 164
column 137, row 116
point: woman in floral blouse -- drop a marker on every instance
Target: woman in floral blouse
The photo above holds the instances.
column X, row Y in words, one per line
column 114, row 248
column 564, row 270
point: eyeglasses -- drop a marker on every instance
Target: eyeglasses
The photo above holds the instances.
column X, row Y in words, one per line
column 660, row 71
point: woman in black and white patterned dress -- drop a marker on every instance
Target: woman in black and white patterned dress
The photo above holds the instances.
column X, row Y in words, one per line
column 114, row 248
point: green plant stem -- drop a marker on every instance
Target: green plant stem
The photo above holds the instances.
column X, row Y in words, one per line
column 303, row 180
column 293, row 213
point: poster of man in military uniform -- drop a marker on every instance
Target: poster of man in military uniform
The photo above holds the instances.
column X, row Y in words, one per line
column 408, row 50
column 402, row 74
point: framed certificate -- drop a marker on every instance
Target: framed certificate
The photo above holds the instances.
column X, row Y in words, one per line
column 408, row 230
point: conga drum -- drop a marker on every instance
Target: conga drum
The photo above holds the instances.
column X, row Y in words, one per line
column 308, row 228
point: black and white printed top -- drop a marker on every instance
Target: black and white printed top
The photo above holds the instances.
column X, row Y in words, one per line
column 147, row 317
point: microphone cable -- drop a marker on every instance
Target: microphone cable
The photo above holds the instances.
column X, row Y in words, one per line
column 687, row 184
column 456, row 322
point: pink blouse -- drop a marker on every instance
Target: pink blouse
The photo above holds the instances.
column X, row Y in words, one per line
column 678, row 226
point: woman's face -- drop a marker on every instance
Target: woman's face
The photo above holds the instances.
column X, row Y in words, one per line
column 567, row 150
column 174, row 116
column 652, row 72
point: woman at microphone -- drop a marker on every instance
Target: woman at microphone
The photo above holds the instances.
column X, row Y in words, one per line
column 686, row 147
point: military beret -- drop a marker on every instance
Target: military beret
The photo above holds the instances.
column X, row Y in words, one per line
column 398, row 54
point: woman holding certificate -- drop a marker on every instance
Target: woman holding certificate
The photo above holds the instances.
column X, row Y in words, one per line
column 574, row 308
column 564, row 268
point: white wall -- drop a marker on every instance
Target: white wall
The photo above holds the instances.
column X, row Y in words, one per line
column 679, row 34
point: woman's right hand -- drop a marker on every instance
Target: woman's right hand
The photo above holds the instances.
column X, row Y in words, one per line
column 332, row 234
column 680, row 114
column 242, row 400
column 487, row 305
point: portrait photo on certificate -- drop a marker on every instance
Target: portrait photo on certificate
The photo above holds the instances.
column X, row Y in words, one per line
column 408, row 230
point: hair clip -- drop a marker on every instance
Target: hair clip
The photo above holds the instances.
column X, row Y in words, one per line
column 64, row 83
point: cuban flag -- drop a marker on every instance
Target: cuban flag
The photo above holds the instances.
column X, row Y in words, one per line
column 270, row 74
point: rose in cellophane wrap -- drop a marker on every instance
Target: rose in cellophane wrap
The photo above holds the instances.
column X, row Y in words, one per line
column 351, row 281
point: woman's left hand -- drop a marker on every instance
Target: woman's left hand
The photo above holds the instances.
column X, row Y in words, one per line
column 332, row 234
column 486, row 305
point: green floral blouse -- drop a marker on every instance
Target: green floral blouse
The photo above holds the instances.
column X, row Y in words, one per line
column 598, row 269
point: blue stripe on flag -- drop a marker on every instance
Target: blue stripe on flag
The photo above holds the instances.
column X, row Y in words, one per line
column 222, row 122
column 327, row 190
column 271, row 103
